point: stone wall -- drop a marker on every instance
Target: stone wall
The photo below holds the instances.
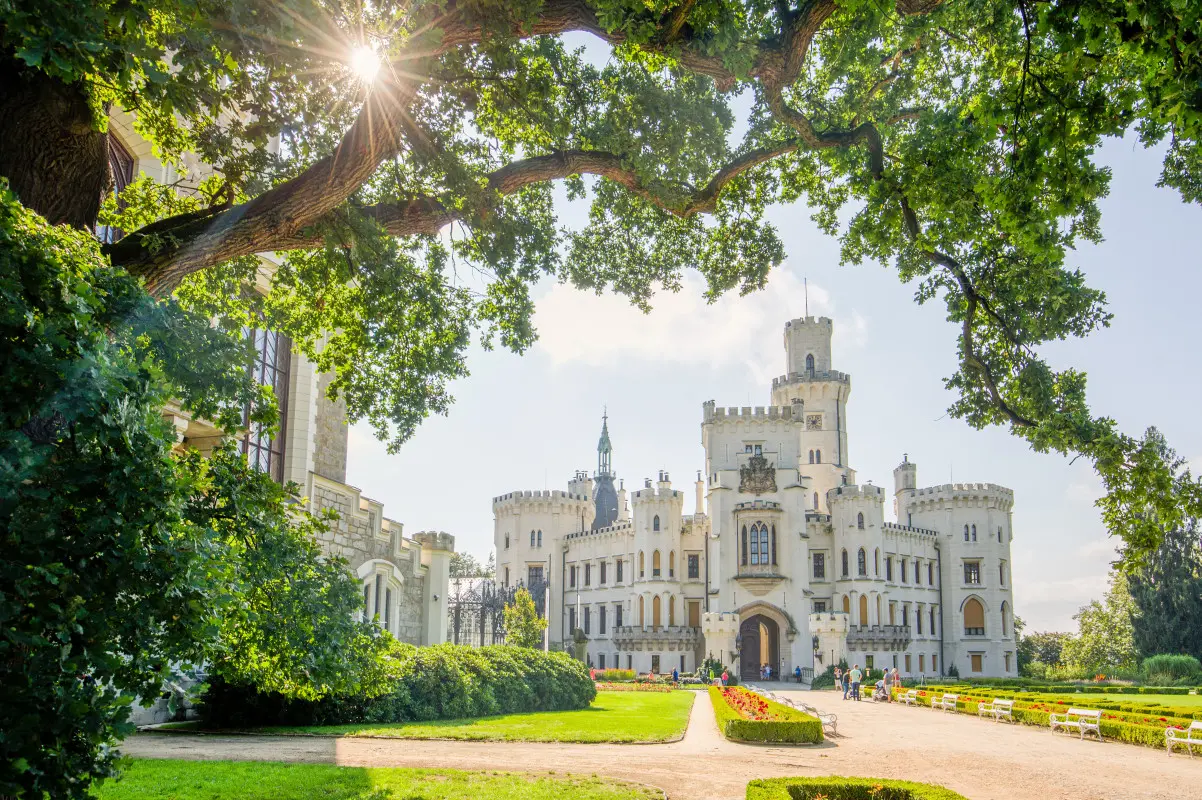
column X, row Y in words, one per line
column 330, row 438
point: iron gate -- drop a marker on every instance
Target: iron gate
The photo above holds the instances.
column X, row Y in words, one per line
column 476, row 609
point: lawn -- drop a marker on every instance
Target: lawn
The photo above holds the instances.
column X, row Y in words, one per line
column 1186, row 700
column 258, row 780
column 613, row 717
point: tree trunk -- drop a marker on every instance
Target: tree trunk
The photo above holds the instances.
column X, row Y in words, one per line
column 51, row 152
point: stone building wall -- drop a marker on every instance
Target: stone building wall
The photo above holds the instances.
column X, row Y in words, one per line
column 330, row 437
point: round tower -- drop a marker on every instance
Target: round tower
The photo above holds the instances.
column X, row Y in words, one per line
column 656, row 512
column 857, row 519
column 905, row 483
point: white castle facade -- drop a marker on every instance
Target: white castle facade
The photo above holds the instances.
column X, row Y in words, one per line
column 786, row 561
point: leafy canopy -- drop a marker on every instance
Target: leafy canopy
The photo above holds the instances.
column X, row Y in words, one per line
column 952, row 140
column 523, row 626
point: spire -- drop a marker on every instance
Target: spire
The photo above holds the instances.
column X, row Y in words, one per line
column 604, row 448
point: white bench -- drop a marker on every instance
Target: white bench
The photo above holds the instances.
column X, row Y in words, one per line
column 1189, row 737
column 1083, row 720
column 947, row 702
column 998, row 709
column 829, row 721
column 910, row 698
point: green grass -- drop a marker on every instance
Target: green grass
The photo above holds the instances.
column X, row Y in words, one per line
column 259, row 780
column 613, row 717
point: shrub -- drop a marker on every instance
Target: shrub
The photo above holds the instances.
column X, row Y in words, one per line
column 439, row 682
column 1167, row 670
column 787, row 725
column 824, row 681
column 836, row 788
column 614, row 675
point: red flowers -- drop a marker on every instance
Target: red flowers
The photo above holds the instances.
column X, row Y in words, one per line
column 747, row 704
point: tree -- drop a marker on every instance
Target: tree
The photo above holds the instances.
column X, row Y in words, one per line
column 523, row 626
column 952, row 140
column 1042, row 646
column 464, row 565
column 118, row 558
column 1105, row 639
column 1166, row 588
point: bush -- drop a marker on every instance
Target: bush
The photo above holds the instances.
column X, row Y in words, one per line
column 790, row 725
column 836, row 788
column 439, row 682
column 1170, row 670
column 614, row 675
column 826, row 680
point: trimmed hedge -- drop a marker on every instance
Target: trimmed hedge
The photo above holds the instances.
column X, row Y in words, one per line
column 440, row 682
column 793, row 726
column 836, row 788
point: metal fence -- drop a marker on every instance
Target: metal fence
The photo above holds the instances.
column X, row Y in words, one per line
column 476, row 609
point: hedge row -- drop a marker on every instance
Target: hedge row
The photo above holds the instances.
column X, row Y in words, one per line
column 1120, row 730
column 1026, row 684
column 792, row 726
column 440, row 682
column 836, row 788
column 1129, row 712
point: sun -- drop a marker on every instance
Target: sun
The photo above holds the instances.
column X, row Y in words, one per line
column 364, row 63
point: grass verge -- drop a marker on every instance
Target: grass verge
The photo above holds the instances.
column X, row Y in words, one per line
column 149, row 779
column 626, row 717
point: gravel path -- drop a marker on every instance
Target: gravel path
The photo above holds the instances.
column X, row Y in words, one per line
column 981, row 760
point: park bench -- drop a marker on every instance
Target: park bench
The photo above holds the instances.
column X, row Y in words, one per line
column 829, row 721
column 1189, row 737
column 998, row 709
column 1084, row 720
column 910, row 698
column 947, row 702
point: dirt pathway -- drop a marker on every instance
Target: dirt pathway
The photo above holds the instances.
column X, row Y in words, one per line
column 981, row 760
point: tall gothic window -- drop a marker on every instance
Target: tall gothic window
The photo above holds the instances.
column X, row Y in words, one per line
column 265, row 451
column 744, row 543
column 815, row 501
column 974, row 533
column 540, row 538
column 532, row 538
column 860, row 520
column 818, row 456
column 966, row 533
column 810, row 363
column 862, row 563
column 655, row 523
column 811, row 456
column 844, row 564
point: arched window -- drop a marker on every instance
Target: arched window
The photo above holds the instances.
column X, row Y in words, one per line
column 974, row 533
column 860, row 520
column 811, row 456
column 974, row 617
column 744, row 543
column 810, row 363
column 862, row 563
column 540, row 538
column 815, row 501
column 864, row 609
column 507, row 541
column 876, row 562
column 845, row 563
column 817, row 456
column 846, row 604
column 773, row 544
column 999, row 533
column 655, row 564
column 642, row 565
column 532, row 538
column 760, row 546
column 642, row 619
column 655, row 523
column 1005, row 625
column 672, row 564
column 671, row 610
column 655, row 611
column 966, row 533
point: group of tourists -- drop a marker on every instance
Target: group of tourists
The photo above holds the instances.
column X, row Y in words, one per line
column 849, row 681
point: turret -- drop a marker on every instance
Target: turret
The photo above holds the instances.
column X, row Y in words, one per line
column 905, row 483
column 699, row 504
column 808, row 345
column 605, row 495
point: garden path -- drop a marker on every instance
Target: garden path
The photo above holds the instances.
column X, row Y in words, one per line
column 981, row 760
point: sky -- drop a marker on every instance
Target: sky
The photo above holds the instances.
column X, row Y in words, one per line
column 529, row 422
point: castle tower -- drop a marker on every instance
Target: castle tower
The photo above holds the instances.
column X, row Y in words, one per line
column 605, row 495
column 905, row 483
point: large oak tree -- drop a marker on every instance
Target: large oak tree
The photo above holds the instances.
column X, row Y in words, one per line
column 954, row 140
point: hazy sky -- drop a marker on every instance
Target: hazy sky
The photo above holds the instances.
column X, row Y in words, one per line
column 529, row 422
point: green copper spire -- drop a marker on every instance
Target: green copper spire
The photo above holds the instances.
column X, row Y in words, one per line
column 604, row 448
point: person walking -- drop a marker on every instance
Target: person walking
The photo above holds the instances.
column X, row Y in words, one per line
column 675, row 675
column 846, row 682
column 725, row 677
column 856, row 675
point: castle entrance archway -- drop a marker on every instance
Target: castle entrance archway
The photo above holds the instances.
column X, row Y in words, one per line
column 759, row 645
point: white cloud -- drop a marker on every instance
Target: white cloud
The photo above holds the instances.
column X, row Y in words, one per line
column 577, row 327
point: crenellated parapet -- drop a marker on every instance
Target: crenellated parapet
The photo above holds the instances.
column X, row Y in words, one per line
column 961, row 495
column 791, row 413
column 827, row 376
column 908, row 531
column 435, row 540
column 536, row 499
column 852, row 493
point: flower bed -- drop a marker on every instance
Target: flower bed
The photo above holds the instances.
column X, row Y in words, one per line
column 746, row 717
column 1145, row 728
column 634, row 687
column 836, row 788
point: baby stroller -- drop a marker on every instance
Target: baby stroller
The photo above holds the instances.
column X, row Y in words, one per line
column 879, row 693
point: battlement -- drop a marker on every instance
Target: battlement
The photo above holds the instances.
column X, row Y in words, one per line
column 800, row 321
column 791, row 413
column 893, row 527
column 435, row 540
column 830, row 375
column 750, row 505
column 961, row 490
column 537, row 496
column 853, row 492
column 617, row 527
column 648, row 493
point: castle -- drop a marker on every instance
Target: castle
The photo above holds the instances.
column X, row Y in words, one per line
column 785, row 561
